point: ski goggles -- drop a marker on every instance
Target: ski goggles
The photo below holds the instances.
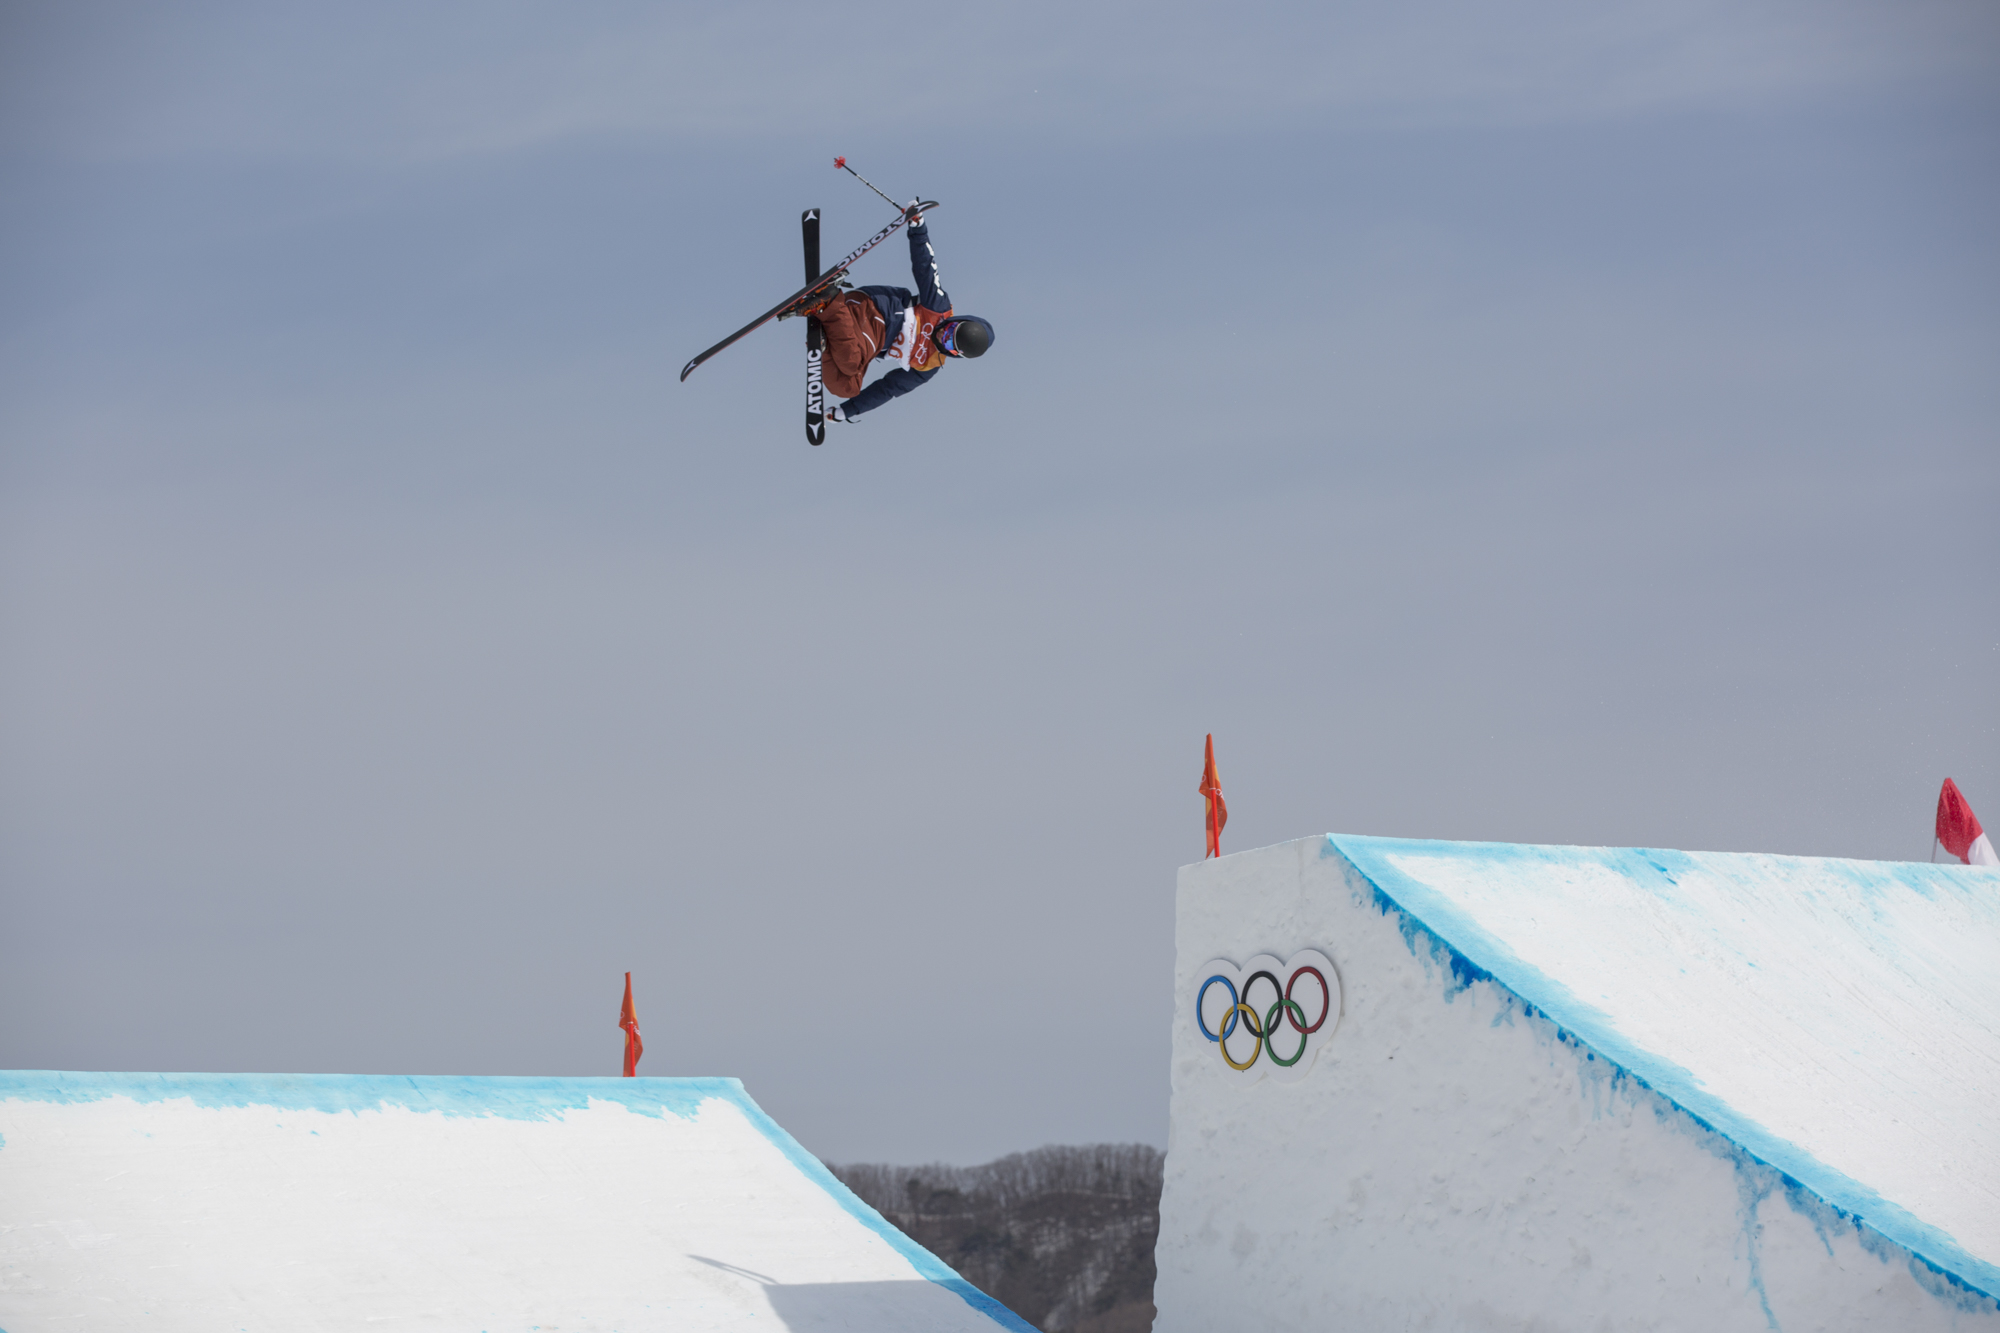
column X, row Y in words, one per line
column 947, row 336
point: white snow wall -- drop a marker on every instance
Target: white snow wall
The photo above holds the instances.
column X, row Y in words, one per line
column 330, row 1202
column 1452, row 1160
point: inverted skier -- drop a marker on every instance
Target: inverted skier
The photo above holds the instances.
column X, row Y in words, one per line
column 914, row 331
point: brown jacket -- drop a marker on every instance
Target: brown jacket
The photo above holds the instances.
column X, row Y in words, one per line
column 854, row 331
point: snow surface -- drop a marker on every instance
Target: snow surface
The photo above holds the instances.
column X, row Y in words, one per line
column 1839, row 1019
column 1465, row 1154
column 205, row 1201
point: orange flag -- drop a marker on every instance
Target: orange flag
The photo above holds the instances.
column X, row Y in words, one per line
column 629, row 1020
column 1218, row 811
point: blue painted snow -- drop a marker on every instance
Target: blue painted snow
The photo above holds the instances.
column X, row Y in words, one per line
column 1434, row 925
column 496, row 1096
column 452, row 1095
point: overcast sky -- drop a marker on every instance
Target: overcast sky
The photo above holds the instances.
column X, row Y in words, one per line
column 1542, row 422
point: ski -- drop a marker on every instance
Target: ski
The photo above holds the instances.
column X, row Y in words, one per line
column 815, row 388
column 809, row 294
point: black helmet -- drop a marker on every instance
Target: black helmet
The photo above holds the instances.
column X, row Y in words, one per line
column 964, row 335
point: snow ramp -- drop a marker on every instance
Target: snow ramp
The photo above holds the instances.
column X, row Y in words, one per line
column 1581, row 1087
column 322, row 1201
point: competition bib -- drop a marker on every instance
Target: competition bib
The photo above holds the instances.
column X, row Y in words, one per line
column 912, row 346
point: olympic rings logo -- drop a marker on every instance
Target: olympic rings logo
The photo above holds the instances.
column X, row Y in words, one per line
column 1268, row 1017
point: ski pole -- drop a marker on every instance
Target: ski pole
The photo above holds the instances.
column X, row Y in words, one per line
column 841, row 162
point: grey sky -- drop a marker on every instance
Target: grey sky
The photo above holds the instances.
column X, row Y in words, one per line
column 1518, row 422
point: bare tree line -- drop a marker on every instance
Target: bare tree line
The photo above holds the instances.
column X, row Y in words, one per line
column 1111, row 1170
column 1062, row 1235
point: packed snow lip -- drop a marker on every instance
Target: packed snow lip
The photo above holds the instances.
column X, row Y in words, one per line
column 443, row 1184
column 1521, row 916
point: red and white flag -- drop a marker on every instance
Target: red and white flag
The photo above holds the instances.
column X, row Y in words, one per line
column 1958, row 829
column 628, row 1019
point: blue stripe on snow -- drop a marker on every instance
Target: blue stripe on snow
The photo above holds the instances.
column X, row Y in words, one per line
column 452, row 1095
column 1474, row 954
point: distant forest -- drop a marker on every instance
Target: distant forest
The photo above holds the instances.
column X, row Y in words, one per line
column 1061, row 1236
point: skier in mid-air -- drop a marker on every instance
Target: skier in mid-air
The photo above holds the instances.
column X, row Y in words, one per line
column 846, row 327
column 915, row 331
